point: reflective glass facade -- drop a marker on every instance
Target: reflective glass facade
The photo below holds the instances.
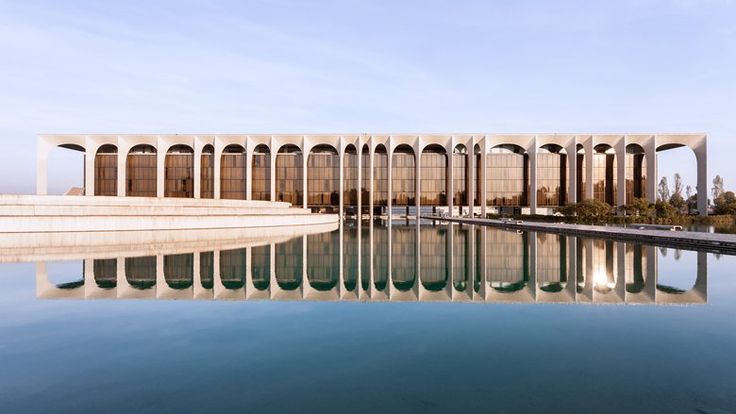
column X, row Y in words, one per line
column 380, row 176
column 434, row 252
column 207, row 172
column 232, row 268
column 404, row 257
column 433, row 177
column 580, row 176
column 179, row 270
column 507, row 259
column 507, row 177
column 459, row 172
column 350, row 176
column 323, row 177
column 179, row 172
column 604, row 176
column 232, row 173
column 551, row 177
column 477, row 176
column 552, row 263
column 140, row 172
column 289, row 265
column 289, row 179
column 106, row 171
column 261, row 266
column 636, row 179
column 261, row 180
column 323, row 260
column 403, row 177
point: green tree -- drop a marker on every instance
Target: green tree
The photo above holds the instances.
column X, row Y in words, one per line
column 663, row 190
column 725, row 203
column 639, row 207
column 587, row 211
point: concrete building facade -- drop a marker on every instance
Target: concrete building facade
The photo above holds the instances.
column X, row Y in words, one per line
column 380, row 173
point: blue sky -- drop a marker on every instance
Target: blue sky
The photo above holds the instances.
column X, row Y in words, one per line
column 364, row 66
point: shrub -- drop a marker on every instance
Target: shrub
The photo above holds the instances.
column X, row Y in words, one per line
column 587, row 211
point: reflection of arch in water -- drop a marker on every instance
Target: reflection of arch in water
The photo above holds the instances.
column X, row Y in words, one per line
column 289, row 264
column 553, row 273
column 105, row 273
column 179, row 270
column 433, row 261
column 233, row 268
column 350, row 258
column 207, row 269
column 381, row 258
column 460, row 245
column 140, row 272
column 323, row 260
column 47, row 290
column 508, row 266
column 698, row 293
column 261, row 267
column 403, row 258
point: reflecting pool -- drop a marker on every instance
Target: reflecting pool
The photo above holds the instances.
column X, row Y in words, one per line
column 366, row 317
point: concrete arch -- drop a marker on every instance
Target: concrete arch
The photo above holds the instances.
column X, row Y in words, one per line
column 351, row 186
column 381, row 175
column 551, row 175
column 508, row 176
column 605, row 173
column 179, row 171
column 636, row 172
column 461, row 175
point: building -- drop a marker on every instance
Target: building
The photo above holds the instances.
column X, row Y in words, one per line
column 521, row 173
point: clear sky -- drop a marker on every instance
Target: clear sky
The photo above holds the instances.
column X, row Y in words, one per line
column 364, row 66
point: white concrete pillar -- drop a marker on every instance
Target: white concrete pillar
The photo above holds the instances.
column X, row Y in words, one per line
column 572, row 171
column 620, row 185
column 371, row 151
column 484, row 172
column 532, row 151
column 390, row 155
column 43, row 147
column 701, row 157
column 359, row 151
column 197, row 178
column 470, row 176
column 341, row 196
column 122, row 158
column 273, row 150
column 305, row 158
column 418, row 166
column 160, row 165
column 218, row 161
column 90, row 150
column 450, row 175
column 588, row 148
column 650, row 153
column 249, row 147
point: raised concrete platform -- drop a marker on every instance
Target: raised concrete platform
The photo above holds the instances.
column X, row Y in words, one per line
column 49, row 214
column 713, row 242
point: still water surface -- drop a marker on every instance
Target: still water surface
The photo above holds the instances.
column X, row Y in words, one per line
column 401, row 317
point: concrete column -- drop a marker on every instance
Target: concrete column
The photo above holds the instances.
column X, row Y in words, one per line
column 533, row 176
column 359, row 151
column 160, row 278
column 588, row 148
column 470, row 177
column 572, row 171
column 650, row 153
column 305, row 157
column 371, row 151
column 160, row 166
column 249, row 146
column 273, row 150
column 390, row 156
column 418, row 166
column 218, row 161
column 122, row 158
column 341, row 196
column 197, row 169
column 484, row 171
column 620, row 149
column 450, row 175
column 701, row 157
column 43, row 147
column 533, row 264
column 90, row 150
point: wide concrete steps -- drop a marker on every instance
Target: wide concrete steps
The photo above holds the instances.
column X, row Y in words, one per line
column 29, row 214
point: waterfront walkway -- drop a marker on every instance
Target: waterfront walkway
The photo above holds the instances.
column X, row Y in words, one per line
column 712, row 242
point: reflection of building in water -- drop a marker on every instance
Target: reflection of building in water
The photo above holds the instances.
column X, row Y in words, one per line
column 426, row 263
